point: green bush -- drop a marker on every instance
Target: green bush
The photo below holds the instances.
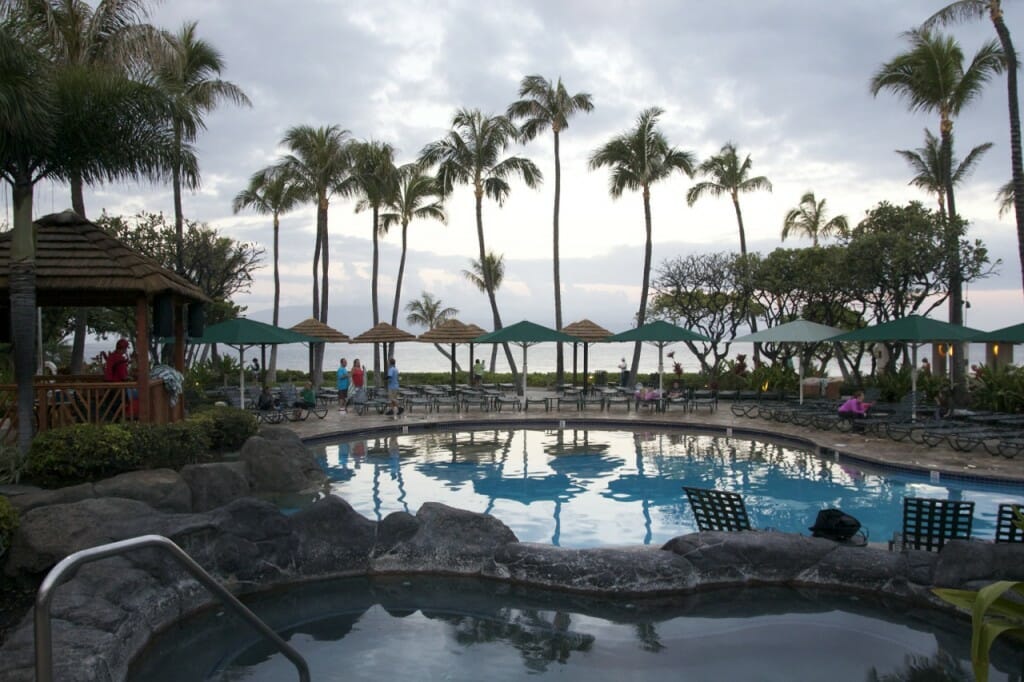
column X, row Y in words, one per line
column 999, row 390
column 83, row 452
column 8, row 523
column 169, row 445
column 226, row 428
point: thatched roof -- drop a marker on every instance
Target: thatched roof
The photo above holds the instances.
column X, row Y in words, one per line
column 451, row 331
column 314, row 327
column 383, row 333
column 586, row 330
column 78, row 264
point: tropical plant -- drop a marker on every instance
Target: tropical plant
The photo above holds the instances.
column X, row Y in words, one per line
column 491, row 269
column 811, row 219
column 428, row 311
column 470, row 154
column 270, row 192
column 318, row 165
column 549, row 105
column 728, row 176
column 637, row 159
column 417, row 196
column 932, row 77
column 1006, row 198
column 977, row 9
column 927, row 164
column 993, row 613
column 187, row 70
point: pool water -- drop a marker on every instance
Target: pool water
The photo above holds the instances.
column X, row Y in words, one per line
column 463, row 629
column 592, row 488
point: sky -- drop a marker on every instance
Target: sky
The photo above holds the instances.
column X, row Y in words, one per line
column 785, row 80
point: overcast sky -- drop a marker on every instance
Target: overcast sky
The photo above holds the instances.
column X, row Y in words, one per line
column 786, row 80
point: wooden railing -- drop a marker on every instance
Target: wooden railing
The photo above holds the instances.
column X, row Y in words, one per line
column 86, row 399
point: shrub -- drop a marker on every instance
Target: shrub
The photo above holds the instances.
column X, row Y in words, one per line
column 226, row 428
column 169, row 445
column 999, row 390
column 8, row 523
column 83, row 452
column 11, row 463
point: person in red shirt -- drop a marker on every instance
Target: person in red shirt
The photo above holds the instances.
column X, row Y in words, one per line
column 116, row 367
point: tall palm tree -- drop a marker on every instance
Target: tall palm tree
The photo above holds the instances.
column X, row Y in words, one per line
column 470, row 154
column 927, row 164
column 932, row 77
column 428, row 311
column 490, row 269
column 1006, row 198
column 637, row 159
column 187, row 70
column 418, row 196
column 270, row 192
column 811, row 219
column 977, row 9
column 549, row 105
column 728, row 176
column 318, row 164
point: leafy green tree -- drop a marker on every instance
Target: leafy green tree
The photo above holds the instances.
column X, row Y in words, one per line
column 932, row 77
column 637, row 159
column 318, row 165
column 491, row 269
column 728, row 176
column 427, row 311
column 961, row 10
column 270, row 192
column 187, row 70
column 547, row 105
column 471, row 154
column 927, row 163
column 811, row 219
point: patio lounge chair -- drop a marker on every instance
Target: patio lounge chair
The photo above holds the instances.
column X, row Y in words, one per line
column 717, row 509
column 929, row 523
column 1006, row 528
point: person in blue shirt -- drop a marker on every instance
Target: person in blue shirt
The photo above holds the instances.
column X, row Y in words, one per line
column 342, row 385
column 393, row 406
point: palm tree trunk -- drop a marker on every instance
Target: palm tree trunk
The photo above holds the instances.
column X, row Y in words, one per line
column 318, row 352
column 559, row 353
column 1015, row 150
column 179, row 218
column 81, row 314
column 489, row 284
column 271, row 376
column 739, row 221
column 22, row 282
column 401, row 274
column 956, row 292
column 641, row 315
column 378, row 362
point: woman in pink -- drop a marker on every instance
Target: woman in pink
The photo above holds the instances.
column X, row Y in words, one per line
column 358, row 375
column 855, row 407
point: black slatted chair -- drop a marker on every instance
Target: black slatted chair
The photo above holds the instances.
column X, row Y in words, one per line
column 1006, row 530
column 718, row 509
column 929, row 523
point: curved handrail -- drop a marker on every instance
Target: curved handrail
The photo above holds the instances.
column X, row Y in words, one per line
column 43, row 635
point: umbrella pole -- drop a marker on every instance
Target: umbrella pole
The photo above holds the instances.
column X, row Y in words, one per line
column 575, row 349
column 661, row 367
column 472, row 367
column 263, row 364
column 801, row 361
column 241, row 376
column 453, row 368
column 586, row 371
column 913, row 382
column 524, row 370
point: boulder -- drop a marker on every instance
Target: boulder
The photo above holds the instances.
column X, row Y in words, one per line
column 761, row 556
column 332, row 538
column 162, row 489
column 42, row 498
column 280, row 465
column 214, row 485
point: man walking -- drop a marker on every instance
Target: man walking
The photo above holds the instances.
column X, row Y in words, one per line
column 342, row 385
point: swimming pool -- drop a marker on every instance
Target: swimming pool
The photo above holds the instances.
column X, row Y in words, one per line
column 420, row 628
column 599, row 487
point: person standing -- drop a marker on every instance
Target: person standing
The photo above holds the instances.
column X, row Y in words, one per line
column 116, row 366
column 623, row 373
column 478, row 372
column 393, row 406
column 342, row 385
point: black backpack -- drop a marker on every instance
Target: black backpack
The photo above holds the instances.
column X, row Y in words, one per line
column 835, row 524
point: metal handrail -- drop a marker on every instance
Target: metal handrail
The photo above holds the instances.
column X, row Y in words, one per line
column 43, row 636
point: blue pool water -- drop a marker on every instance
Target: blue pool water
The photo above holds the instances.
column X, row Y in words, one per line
column 591, row 488
column 421, row 628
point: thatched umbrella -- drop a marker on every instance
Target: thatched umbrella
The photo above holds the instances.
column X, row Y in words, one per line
column 314, row 327
column 453, row 332
column 587, row 332
column 383, row 333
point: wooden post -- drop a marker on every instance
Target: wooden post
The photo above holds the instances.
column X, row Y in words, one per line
column 179, row 335
column 142, row 356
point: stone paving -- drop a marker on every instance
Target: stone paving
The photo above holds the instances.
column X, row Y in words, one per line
column 870, row 447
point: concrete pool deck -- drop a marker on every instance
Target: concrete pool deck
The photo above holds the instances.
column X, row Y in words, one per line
column 872, row 448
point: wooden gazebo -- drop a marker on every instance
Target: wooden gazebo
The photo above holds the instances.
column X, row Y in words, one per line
column 78, row 264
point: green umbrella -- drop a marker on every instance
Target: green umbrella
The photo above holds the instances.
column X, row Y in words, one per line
column 915, row 330
column 525, row 334
column 660, row 333
column 797, row 331
column 242, row 333
column 1011, row 334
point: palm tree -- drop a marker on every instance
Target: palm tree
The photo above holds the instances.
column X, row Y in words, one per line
column 931, row 76
column 418, row 196
column 549, row 105
column 927, row 163
column 1006, row 198
column 470, row 154
column 728, row 176
column 187, row 71
column 427, row 311
column 318, row 165
column 977, row 9
column 270, row 192
column 637, row 159
column 375, row 178
column 490, row 269
column 811, row 219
